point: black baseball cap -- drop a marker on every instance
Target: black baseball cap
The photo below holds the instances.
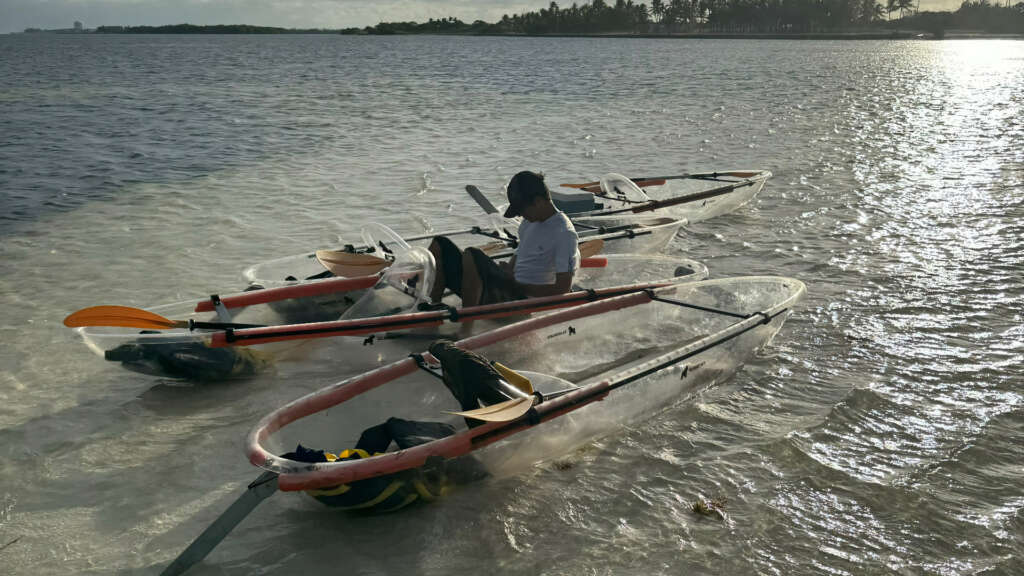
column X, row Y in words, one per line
column 522, row 189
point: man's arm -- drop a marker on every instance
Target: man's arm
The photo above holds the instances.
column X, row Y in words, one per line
column 509, row 266
column 563, row 284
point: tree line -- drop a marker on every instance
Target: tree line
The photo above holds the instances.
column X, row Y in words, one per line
column 726, row 16
column 675, row 17
column 211, row 29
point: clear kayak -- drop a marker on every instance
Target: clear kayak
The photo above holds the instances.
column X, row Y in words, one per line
column 640, row 353
column 690, row 197
column 242, row 334
column 618, row 234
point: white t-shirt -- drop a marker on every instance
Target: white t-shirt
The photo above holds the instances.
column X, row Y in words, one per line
column 546, row 248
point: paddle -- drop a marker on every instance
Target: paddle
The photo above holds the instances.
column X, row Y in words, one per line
column 266, row 484
column 502, row 411
column 259, row 490
column 481, row 199
column 127, row 317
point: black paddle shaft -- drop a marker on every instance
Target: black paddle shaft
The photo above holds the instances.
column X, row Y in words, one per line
column 192, row 325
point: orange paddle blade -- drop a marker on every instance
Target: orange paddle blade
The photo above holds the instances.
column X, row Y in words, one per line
column 591, row 247
column 120, row 316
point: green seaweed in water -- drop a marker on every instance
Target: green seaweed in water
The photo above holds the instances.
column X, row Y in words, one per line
column 712, row 507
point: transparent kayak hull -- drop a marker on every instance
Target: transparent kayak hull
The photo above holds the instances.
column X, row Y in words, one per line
column 689, row 197
column 204, row 354
column 644, row 235
column 640, row 353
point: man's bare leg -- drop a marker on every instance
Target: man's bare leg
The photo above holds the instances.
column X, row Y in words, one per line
column 437, row 290
column 472, row 288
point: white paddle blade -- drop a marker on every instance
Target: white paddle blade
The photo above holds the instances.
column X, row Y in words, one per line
column 481, row 199
column 501, row 412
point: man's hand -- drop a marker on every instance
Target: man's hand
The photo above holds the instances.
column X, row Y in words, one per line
column 508, row 266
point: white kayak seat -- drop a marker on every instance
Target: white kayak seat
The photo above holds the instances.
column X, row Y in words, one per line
column 401, row 288
column 619, row 187
column 573, row 201
column 380, row 237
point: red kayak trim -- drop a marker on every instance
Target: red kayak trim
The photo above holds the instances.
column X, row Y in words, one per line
column 305, row 290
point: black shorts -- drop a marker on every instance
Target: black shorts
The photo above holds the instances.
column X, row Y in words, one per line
column 497, row 286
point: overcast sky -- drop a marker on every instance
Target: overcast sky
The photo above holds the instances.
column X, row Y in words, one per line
column 16, row 15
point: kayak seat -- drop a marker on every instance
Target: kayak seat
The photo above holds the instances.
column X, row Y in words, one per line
column 572, row 201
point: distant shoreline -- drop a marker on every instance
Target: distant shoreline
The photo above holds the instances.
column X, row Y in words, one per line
column 882, row 35
column 879, row 35
column 767, row 20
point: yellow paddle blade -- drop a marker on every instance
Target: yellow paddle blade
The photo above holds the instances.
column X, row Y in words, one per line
column 501, row 412
column 349, row 265
column 514, row 378
column 120, row 316
column 591, row 247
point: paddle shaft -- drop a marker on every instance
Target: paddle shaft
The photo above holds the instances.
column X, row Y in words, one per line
column 658, row 204
column 192, row 325
column 697, row 176
column 258, row 491
column 434, row 318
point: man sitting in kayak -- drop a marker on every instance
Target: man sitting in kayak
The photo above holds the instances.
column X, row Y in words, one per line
column 544, row 263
